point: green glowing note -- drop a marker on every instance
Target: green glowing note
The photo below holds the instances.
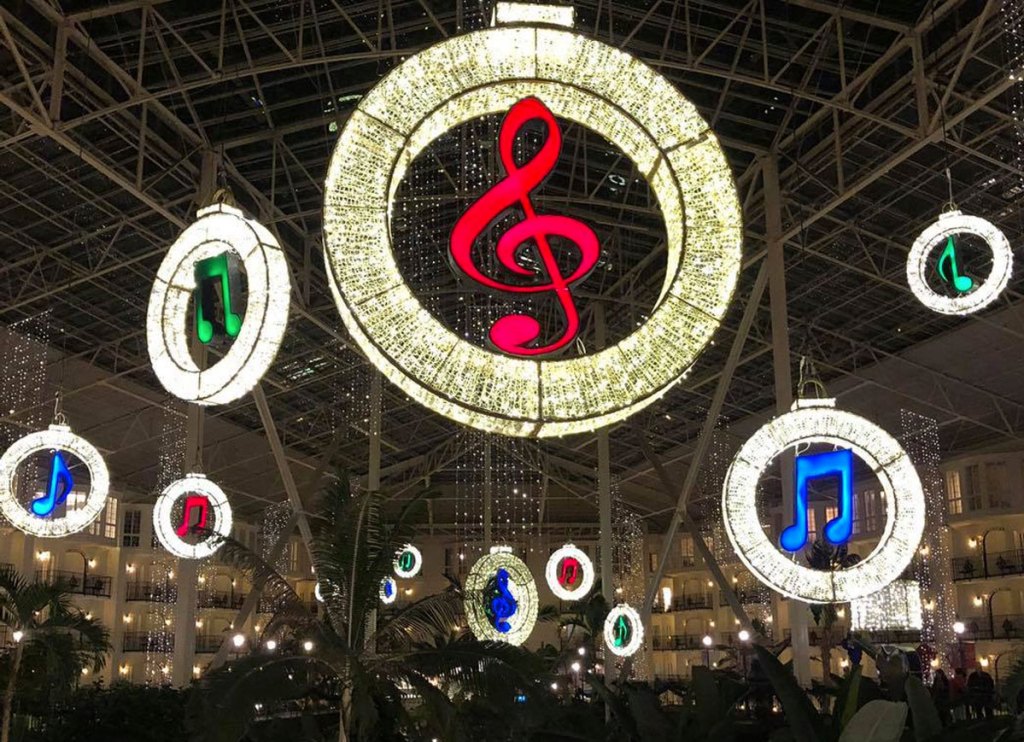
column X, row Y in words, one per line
column 211, row 273
column 622, row 632
column 963, row 284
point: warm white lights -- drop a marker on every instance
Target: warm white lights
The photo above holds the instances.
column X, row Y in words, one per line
column 18, row 635
column 501, row 598
column 238, row 640
column 938, row 236
column 623, row 631
column 271, row 645
column 744, row 635
column 408, row 562
column 896, row 607
column 959, row 627
column 218, row 229
column 818, row 421
column 707, row 641
column 58, row 438
column 569, row 573
column 307, row 645
column 205, row 505
column 579, row 79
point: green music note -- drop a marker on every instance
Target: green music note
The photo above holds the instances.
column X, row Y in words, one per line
column 622, row 632
column 963, row 284
column 207, row 273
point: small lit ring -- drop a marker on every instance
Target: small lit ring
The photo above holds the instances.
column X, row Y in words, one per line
column 569, row 551
column 949, row 224
column 520, row 584
column 636, row 639
column 385, row 598
column 580, row 79
column 818, row 421
column 417, row 562
column 218, row 228
column 54, row 438
column 316, row 592
column 220, row 510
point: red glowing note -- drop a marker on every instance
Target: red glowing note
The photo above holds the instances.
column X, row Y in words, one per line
column 519, row 334
column 192, row 502
column 570, row 570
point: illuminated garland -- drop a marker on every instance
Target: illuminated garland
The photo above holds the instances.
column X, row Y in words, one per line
column 623, row 631
column 409, row 562
column 501, row 598
column 579, row 79
column 57, row 438
column 941, row 234
column 818, row 421
column 212, row 505
column 896, row 607
column 218, row 229
column 570, row 564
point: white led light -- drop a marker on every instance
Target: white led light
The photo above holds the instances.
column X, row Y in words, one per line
column 414, row 567
column 388, row 590
column 166, row 525
column 219, row 228
column 509, row 13
column 584, row 581
column 579, row 79
column 620, row 616
column 54, row 438
column 818, row 421
column 896, row 607
column 948, row 225
column 317, row 594
column 478, row 597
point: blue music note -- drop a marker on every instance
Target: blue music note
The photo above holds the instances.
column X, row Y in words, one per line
column 59, row 475
column 503, row 603
column 817, row 466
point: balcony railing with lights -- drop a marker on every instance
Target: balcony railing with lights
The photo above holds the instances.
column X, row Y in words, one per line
column 142, row 641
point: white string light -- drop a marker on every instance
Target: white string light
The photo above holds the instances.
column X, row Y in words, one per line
column 166, row 525
column 218, row 229
column 579, row 79
column 414, row 566
column 896, row 607
column 818, row 421
column 483, row 585
column 57, row 438
column 562, row 561
column 623, row 631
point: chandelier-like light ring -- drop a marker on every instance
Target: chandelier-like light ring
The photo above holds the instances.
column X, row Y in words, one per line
column 558, row 566
column 948, row 225
column 219, row 228
column 54, row 438
column 217, row 507
column 520, row 586
column 621, row 616
column 414, row 565
column 818, row 421
column 579, row 79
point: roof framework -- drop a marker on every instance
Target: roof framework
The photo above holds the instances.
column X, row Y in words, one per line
column 106, row 110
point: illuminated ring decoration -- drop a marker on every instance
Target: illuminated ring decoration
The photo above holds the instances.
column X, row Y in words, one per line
column 570, row 551
column 219, row 228
column 949, row 224
column 520, row 584
column 628, row 614
column 54, row 438
column 388, row 596
column 417, row 562
column 818, row 421
column 219, row 507
column 316, row 592
column 580, row 79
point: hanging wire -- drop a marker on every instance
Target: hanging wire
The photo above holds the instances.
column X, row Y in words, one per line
column 809, row 377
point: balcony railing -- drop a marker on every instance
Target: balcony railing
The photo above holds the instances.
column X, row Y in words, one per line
column 208, row 643
column 994, row 564
column 676, row 643
column 692, row 603
column 907, row 636
column 1002, row 626
column 747, row 597
column 142, row 641
column 79, row 583
column 221, row 599
column 151, row 592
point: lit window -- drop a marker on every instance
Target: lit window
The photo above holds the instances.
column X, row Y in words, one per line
column 953, row 495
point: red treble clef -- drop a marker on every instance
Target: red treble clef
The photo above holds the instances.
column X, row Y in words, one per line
column 516, row 334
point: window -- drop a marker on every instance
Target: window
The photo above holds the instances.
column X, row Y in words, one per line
column 131, row 528
column 106, row 525
column 686, row 550
column 652, row 561
column 871, row 510
column 954, row 499
column 997, row 486
column 972, row 486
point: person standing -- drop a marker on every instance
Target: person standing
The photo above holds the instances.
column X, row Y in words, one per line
column 958, row 694
column 941, row 696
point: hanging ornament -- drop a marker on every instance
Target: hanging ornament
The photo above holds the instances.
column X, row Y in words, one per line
column 817, row 421
column 38, row 517
column 202, row 266
column 501, row 598
column 190, row 503
column 409, row 562
column 388, row 590
column 570, row 573
column 535, row 67
column 970, row 295
column 623, row 631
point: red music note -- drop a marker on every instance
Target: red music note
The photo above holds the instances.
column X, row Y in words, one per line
column 191, row 503
column 517, row 334
column 570, row 569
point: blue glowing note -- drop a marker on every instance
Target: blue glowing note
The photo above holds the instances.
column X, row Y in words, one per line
column 819, row 466
column 503, row 603
column 60, row 485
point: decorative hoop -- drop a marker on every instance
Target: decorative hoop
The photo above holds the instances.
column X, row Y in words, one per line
column 554, row 572
column 214, row 502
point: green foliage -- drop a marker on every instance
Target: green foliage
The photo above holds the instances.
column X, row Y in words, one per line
column 927, row 724
column 804, row 720
column 877, row 721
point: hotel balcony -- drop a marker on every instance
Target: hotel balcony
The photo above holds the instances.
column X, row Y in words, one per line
column 79, row 583
column 993, row 564
column 143, row 641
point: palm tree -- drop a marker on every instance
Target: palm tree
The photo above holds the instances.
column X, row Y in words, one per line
column 49, row 631
column 822, row 556
column 356, row 660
